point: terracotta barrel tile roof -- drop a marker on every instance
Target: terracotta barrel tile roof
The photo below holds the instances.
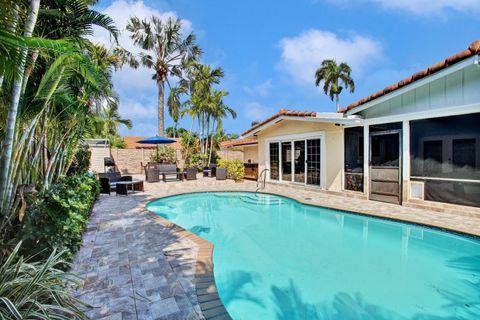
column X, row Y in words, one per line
column 237, row 143
column 282, row 112
column 473, row 49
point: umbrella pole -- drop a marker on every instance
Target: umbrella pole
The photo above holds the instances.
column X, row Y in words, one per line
column 158, row 161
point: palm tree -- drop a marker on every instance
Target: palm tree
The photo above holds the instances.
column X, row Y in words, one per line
column 174, row 105
column 331, row 75
column 168, row 52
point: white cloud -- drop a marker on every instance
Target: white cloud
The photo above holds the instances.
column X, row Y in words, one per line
column 262, row 89
column 137, row 110
column 419, row 7
column 121, row 11
column 255, row 111
column 303, row 54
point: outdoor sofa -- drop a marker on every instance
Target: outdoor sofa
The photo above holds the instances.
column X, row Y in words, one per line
column 166, row 170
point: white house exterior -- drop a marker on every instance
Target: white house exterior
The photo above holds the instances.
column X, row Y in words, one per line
column 415, row 142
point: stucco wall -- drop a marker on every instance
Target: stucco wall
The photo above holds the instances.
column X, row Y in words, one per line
column 230, row 154
column 250, row 153
column 333, row 146
column 97, row 156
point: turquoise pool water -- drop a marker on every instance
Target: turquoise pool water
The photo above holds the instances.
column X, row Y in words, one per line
column 278, row 259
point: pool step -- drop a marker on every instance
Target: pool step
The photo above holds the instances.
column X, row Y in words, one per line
column 262, row 200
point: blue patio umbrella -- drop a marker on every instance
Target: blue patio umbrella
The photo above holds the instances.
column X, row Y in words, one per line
column 156, row 140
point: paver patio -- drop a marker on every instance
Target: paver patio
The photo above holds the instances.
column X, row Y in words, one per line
column 135, row 267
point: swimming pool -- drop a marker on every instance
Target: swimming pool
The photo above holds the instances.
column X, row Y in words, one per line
column 276, row 258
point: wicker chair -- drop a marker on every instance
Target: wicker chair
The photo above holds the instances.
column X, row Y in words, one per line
column 105, row 186
column 191, row 173
column 221, row 173
column 152, row 175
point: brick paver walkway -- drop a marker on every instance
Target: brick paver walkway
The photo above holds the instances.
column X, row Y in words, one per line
column 136, row 268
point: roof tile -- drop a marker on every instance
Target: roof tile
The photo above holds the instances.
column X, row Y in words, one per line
column 473, row 49
column 282, row 112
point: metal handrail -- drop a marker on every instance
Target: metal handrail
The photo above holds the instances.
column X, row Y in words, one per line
column 259, row 179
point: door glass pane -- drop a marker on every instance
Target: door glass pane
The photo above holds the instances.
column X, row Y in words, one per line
column 274, row 161
column 386, row 150
column 286, row 161
column 313, row 162
column 299, row 158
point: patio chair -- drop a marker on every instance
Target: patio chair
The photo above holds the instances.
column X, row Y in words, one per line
column 168, row 170
column 152, row 175
column 108, row 181
column 221, row 174
column 191, row 173
column 105, row 186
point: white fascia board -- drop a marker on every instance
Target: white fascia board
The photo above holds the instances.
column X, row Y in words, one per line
column 325, row 117
column 412, row 86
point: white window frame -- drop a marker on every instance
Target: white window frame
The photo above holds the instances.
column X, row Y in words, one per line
column 291, row 138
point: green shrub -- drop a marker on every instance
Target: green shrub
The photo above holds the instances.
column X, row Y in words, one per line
column 56, row 217
column 195, row 161
column 164, row 154
column 81, row 160
column 37, row 290
column 235, row 168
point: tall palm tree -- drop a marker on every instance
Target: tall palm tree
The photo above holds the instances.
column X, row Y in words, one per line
column 167, row 52
column 174, row 105
column 332, row 76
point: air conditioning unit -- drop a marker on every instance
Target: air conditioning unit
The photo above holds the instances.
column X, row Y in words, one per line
column 417, row 190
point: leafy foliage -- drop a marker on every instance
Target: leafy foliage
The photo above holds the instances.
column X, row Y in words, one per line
column 36, row 290
column 57, row 217
column 235, row 168
column 164, row 154
column 332, row 75
column 81, row 160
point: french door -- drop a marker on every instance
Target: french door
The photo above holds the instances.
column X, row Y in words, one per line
column 296, row 161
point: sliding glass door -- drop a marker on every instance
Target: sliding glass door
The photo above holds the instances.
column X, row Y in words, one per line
column 297, row 161
column 313, row 162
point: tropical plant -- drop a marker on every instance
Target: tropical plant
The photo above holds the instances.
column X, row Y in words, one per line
column 37, row 290
column 332, row 76
column 235, row 168
column 173, row 132
column 164, row 154
column 81, row 160
column 57, row 217
column 174, row 105
column 167, row 52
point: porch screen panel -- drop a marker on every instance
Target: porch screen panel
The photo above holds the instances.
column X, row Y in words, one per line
column 354, row 158
column 274, row 160
column 445, row 154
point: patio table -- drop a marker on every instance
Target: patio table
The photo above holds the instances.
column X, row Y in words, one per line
column 134, row 185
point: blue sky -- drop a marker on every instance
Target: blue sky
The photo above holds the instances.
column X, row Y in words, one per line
column 270, row 49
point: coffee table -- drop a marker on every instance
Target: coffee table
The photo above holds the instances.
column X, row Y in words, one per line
column 134, row 185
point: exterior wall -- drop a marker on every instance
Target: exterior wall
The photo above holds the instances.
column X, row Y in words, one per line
column 250, row 153
column 128, row 161
column 230, row 154
column 456, row 89
column 333, row 146
column 96, row 159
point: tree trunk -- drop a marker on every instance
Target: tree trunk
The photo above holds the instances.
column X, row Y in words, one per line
column 211, row 143
column 337, row 101
column 161, row 108
column 13, row 106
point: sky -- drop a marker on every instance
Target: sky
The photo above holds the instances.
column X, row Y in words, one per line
column 270, row 49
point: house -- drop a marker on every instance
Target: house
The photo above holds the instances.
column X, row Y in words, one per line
column 245, row 149
column 414, row 142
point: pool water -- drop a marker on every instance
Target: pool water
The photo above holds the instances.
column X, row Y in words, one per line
column 276, row 258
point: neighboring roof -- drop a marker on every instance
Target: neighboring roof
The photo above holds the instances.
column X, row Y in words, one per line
column 282, row 112
column 131, row 143
column 238, row 143
column 472, row 50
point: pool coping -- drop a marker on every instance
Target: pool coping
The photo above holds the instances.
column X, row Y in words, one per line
column 209, row 301
column 206, row 290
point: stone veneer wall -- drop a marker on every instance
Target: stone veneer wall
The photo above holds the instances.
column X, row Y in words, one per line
column 128, row 161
